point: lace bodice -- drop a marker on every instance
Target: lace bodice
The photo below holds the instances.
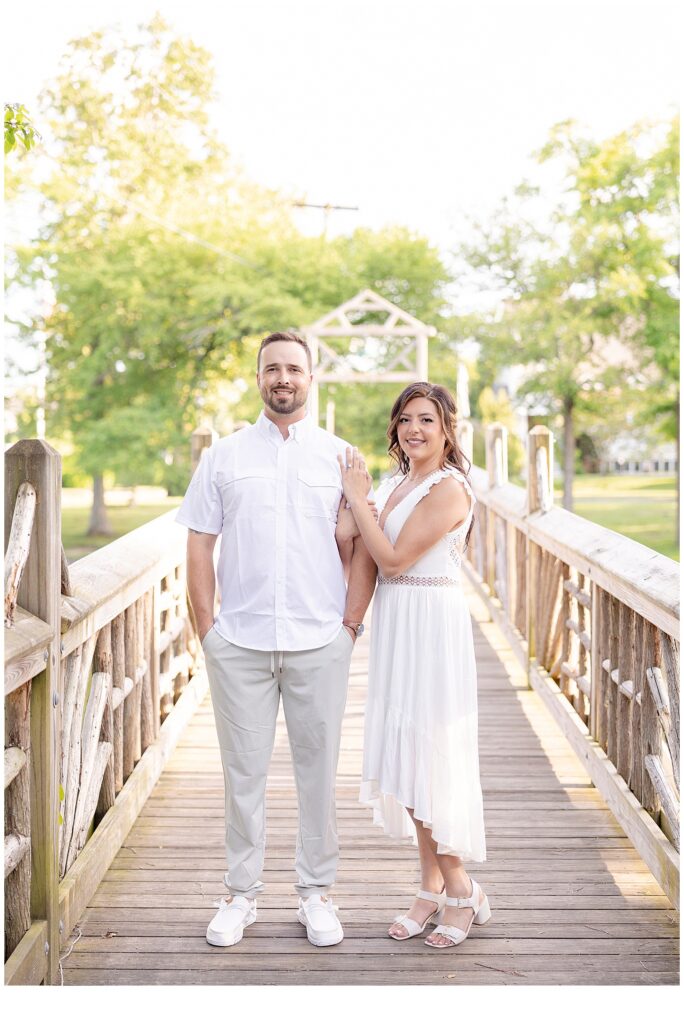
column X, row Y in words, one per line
column 443, row 559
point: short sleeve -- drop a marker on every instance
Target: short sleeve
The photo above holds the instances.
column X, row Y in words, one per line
column 463, row 479
column 201, row 508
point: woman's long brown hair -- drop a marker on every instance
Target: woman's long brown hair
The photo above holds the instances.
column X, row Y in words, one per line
column 446, row 407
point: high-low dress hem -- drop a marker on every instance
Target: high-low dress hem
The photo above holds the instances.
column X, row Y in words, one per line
column 420, row 734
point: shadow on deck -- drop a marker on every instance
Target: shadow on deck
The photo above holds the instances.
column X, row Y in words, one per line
column 572, row 901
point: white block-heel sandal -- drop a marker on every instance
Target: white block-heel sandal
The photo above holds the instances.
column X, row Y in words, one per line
column 411, row 926
column 477, row 902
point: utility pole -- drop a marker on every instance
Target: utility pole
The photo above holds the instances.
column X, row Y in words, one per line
column 327, row 210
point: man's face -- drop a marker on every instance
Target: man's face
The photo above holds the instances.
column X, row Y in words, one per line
column 283, row 378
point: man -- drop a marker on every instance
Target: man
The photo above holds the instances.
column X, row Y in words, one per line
column 286, row 627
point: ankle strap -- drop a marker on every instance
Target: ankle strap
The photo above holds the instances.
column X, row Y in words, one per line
column 472, row 901
column 431, row 897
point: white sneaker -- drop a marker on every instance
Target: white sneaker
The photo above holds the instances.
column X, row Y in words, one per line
column 226, row 927
column 323, row 927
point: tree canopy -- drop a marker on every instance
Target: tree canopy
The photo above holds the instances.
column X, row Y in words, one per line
column 586, row 300
column 167, row 264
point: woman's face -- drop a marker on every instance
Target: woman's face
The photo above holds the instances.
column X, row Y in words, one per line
column 420, row 432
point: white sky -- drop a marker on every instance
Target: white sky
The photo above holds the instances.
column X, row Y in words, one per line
column 416, row 112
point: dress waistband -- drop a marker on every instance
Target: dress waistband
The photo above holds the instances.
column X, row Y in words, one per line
column 419, row 581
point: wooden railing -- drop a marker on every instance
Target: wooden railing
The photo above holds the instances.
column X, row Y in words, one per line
column 594, row 618
column 103, row 668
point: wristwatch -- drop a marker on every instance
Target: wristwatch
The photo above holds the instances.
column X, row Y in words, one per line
column 358, row 627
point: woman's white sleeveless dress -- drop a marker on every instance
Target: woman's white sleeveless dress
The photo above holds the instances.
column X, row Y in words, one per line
column 420, row 741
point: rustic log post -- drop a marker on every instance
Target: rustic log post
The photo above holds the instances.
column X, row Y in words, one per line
column 72, row 771
column 596, row 695
column 539, row 499
column 139, row 667
column 605, row 706
column 639, row 677
column 165, row 687
column 668, row 799
column 89, row 783
column 651, row 737
column 18, row 817
column 612, row 655
column 103, row 663
column 102, row 754
column 179, row 646
column 531, row 590
column 521, row 582
column 118, row 678
column 509, row 569
column 584, row 650
column 148, row 709
column 622, row 700
column 18, row 546
column 202, row 437
column 669, row 649
column 71, row 674
column 16, row 848
column 566, row 641
column 154, row 656
column 131, row 728
column 39, row 593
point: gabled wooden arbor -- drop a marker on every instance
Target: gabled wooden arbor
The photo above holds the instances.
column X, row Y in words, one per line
column 385, row 344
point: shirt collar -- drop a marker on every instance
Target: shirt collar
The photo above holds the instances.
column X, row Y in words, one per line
column 297, row 430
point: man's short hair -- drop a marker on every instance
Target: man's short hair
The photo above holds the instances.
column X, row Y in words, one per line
column 286, row 336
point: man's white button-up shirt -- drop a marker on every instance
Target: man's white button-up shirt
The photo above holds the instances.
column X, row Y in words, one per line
column 274, row 502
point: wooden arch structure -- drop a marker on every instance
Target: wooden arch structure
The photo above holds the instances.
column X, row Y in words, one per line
column 384, row 344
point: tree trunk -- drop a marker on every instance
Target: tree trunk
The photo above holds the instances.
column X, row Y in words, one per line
column 99, row 524
column 568, row 452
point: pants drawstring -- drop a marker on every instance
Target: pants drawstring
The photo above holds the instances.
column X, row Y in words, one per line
column 281, row 655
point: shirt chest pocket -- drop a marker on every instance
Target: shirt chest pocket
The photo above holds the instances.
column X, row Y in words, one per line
column 319, row 492
column 247, row 492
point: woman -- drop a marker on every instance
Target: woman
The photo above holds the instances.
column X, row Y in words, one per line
column 420, row 748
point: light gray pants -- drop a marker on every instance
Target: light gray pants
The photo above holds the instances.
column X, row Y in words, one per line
column 245, row 690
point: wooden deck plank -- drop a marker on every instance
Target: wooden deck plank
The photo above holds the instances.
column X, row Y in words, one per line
column 302, row 975
column 572, row 901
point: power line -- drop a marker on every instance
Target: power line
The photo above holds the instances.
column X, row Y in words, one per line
column 167, row 225
column 188, row 235
column 327, row 210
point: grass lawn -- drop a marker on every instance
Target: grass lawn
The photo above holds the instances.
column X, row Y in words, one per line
column 122, row 520
column 643, row 508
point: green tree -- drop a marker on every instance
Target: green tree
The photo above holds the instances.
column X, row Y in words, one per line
column 305, row 278
column 167, row 265
column 587, row 297
column 144, row 316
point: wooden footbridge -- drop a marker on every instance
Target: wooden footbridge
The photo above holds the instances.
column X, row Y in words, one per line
column 112, row 871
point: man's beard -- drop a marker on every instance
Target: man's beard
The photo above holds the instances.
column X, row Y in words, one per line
column 284, row 403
